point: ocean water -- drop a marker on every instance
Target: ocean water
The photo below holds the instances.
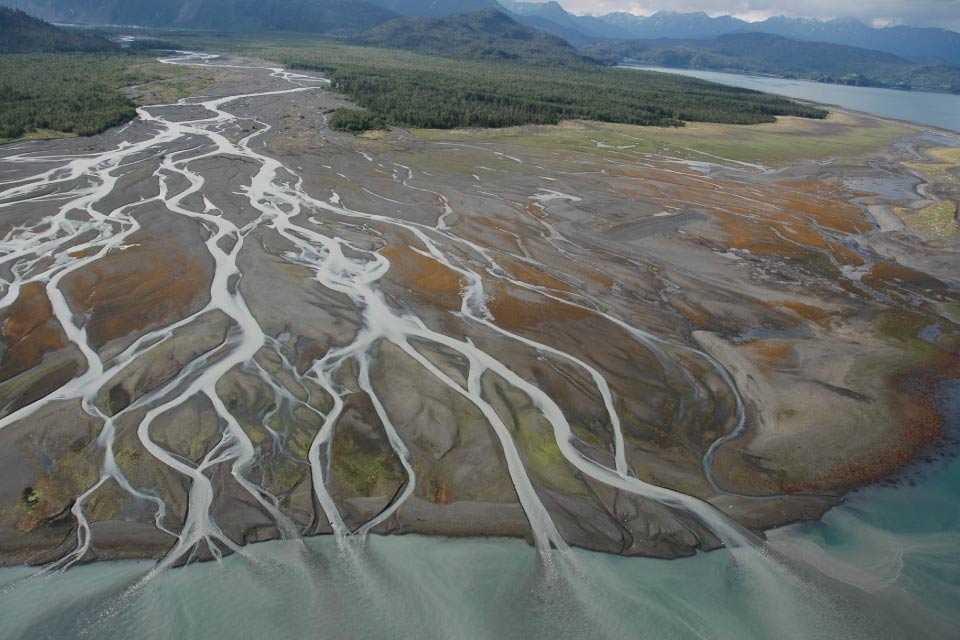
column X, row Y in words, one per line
column 923, row 107
column 883, row 565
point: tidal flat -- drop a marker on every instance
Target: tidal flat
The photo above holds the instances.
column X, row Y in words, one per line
column 224, row 323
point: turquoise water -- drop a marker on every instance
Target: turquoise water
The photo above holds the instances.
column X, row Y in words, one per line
column 890, row 556
column 923, row 107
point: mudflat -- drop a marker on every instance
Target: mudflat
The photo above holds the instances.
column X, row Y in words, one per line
column 226, row 323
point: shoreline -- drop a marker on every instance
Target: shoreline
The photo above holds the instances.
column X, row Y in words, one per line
column 639, row 64
column 927, row 460
column 823, row 103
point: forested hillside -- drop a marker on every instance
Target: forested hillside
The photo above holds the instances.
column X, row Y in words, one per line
column 318, row 16
column 435, row 8
column 57, row 82
column 494, row 73
column 67, row 93
column 21, row 33
column 775, row 55
column 488, row 34
column 414, row 90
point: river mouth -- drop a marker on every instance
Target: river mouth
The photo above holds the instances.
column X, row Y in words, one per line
column 226, row 324
column 475, row 589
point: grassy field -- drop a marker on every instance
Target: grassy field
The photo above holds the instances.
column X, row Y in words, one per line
column 840, row 135
column 151, row 82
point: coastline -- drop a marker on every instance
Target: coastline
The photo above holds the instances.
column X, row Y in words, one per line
column 640, row 64
column 831, row 99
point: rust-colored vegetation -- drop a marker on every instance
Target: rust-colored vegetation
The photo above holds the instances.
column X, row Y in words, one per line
column 919, row 434
column 789, row 218
column 514, row 309
column 883, row 274
column 29, row 330
column 845, row 256
column 431, row 281
column 826, row 203
column 143, row 286
column 913, row 393
column 439, row 493
column 817, row 315
column 695, row 313
column 532, row 274
column 771, row 355
column 756, row 235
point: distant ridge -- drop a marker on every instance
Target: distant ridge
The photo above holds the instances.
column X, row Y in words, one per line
column 772, row 54
column 488, row 34
column 435, row 8
column 319, row 16
column 21, row 33
column 919, row 44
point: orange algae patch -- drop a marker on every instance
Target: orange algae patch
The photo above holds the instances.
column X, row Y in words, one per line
column 30, row 331
column 514, row 312
column 845, row 256
column 430, row 280
column 532, row 275
column 696, row 314
column 43, row 510
column 921, row 429
column 752, row 218
column 628, row 173
column 817, row 315
column 756, row 236
column 829, row 205
column 602, row 280
column 772, row 355
column 145, row 285
column 882, row 272
column 439, row 493
column 799, row 232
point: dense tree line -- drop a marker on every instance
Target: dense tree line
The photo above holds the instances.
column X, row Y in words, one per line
column 68, row 92
column 408, row 89
column 356, row 120
column 78, row 93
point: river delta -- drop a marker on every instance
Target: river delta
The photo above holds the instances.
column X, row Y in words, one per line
column 225, row 323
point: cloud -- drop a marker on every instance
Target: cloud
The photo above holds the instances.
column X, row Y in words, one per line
column 921, row 13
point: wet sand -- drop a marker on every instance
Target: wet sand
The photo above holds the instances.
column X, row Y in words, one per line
column 225, row 323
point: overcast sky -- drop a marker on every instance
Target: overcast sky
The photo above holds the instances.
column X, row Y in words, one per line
column 935, row 13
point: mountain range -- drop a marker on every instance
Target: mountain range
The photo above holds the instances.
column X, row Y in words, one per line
column 317, row 16
column 919, row 44
column 22, row 33
column 353, row 16
column 771, row 54
column 488, row 34
column 434, row 8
